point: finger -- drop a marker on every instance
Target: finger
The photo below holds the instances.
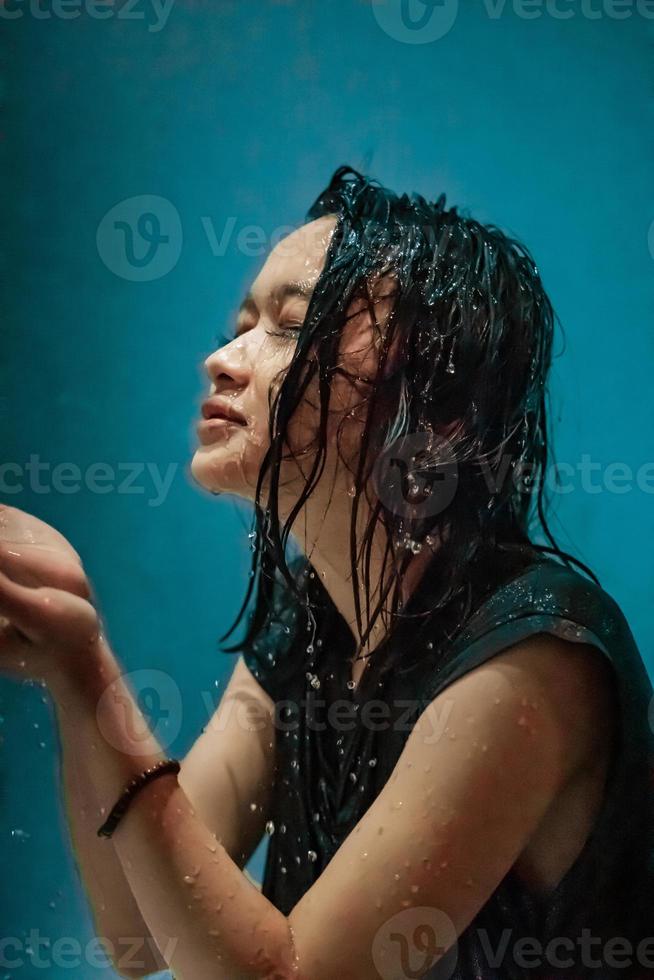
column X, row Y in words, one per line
column 21, row 528
column 12, row 642
column 32, row 565
column 24, row 607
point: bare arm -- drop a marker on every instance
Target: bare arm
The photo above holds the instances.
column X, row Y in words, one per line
column 448, row 805
column 228, row 773
column 116, row 915
column 227, row 776
column 227, row 769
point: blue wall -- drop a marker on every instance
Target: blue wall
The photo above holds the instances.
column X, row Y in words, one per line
column 236, row 115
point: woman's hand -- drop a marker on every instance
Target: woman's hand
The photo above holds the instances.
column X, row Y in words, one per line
column 46, row 618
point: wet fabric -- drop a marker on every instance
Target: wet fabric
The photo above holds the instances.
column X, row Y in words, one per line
column 326, row 779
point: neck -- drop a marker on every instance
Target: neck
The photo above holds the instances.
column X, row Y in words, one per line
column 325, row 540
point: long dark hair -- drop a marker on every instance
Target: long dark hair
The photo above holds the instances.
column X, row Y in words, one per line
column 471, row 328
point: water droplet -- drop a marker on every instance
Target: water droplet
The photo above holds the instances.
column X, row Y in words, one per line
column 20, row 834
column 270, row 828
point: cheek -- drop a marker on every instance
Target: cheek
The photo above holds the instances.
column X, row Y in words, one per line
column 345, row 424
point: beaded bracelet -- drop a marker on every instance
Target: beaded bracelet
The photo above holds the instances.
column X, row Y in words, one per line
column 132, row 788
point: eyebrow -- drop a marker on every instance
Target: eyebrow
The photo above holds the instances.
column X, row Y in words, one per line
column 285, row 290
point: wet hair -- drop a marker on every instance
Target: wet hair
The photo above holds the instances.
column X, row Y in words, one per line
column 467, row 340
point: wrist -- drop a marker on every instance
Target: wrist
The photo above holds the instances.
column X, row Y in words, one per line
column 83, row 679
column 97, row 701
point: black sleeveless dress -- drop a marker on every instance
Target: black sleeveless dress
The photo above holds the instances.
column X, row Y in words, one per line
column 326, row 779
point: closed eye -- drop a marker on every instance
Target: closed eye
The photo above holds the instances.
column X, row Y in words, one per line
column 288, row 328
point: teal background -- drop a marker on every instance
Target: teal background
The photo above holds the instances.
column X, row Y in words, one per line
column 237, row 115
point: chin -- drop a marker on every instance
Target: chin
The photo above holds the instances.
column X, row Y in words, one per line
column 220, row 470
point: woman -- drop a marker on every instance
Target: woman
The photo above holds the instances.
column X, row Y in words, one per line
column 448, row 736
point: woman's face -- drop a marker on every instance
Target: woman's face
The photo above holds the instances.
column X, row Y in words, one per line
column 243, row 371
column 230, row 454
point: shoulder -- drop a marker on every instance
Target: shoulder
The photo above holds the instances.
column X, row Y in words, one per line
column 551, row 636
column 542, row 702
column 573, row 682
column 546, row 598
column 550, row 588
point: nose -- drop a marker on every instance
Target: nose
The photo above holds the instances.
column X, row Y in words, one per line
column 228, row 362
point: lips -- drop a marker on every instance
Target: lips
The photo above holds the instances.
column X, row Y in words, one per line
column 218, row 408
